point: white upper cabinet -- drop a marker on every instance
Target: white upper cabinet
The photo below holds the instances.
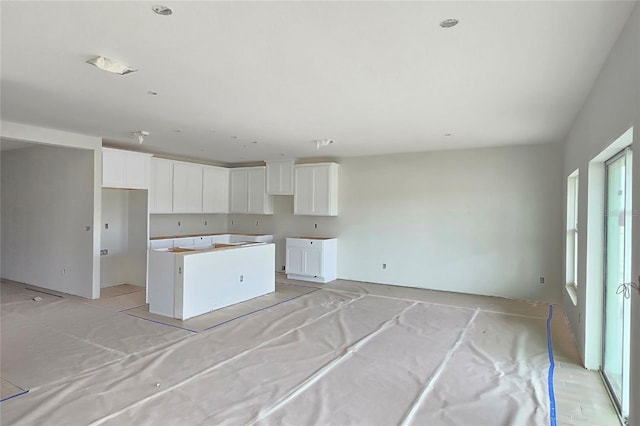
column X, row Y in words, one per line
column 125, row 169
column 316, row 189
column 280, row 177
column 215, row 189
column 248, row 191
column 187, row 187
column 161, row 191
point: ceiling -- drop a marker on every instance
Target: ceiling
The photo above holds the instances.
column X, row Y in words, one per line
column 249, row 81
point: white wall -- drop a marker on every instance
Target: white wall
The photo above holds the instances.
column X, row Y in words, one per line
column 115, row 213
column 483, row 221
column 167, row 224
column 51, row 137
column 47, row 201
column 125, row 213
column 612, row 107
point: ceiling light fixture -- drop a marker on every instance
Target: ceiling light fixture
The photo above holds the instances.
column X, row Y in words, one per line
column 162, row 10
column 448, row 23
column 152, row 93
column 323, row 142
column 447, row 134
column 110, row 65
column 141, row 134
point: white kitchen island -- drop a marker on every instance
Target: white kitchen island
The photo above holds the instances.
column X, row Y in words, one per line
column 186, row 282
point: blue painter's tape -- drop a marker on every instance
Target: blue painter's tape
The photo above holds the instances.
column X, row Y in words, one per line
column 552, row 366
column 14, row 396
column 162, row 323
column 261, row 309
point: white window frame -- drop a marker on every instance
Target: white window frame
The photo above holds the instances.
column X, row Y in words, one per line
column 571, row 282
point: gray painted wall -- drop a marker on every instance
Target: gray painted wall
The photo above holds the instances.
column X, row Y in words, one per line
column 47, row 201
column 481, row 221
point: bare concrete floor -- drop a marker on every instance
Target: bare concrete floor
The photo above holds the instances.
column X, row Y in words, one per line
column 334, row 354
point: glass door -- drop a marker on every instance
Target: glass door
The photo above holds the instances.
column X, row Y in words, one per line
column 615, row 366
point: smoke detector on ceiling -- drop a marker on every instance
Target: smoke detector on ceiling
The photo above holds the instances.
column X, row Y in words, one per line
column 323, row 142
column 141, row 134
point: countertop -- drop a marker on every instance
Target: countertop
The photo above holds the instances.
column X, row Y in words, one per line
column 169, row 237
column 181, row 250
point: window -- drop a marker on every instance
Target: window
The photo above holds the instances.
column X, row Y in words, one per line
column 572, row 236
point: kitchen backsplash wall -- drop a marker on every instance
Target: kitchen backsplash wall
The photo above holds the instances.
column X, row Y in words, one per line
column 184, row 224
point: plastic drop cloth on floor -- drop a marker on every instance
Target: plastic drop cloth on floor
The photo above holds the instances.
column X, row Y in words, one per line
column 348, row 354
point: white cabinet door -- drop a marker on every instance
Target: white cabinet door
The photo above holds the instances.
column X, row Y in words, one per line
column 161, row 188
column 316, row 189
column 137, row 167
column 313, row 262
column 303, row 196
column 113, row 168
column 187, row 188
column 248, row 191
column 280, row 178
column 259, row 201
column 295, row 260
column 215, row 189
column 125, row 169
column 238, row 191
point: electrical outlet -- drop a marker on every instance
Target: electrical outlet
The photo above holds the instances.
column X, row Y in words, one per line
column 315, row 225
column 106, row 226
column 384, row 266
column 257, row 223
column 233, row 222
column 284, row 268
column 104, row 252
column 241, row 278
column 541, row 280
column 179, row 223
column 87, row 228
column 205, row 223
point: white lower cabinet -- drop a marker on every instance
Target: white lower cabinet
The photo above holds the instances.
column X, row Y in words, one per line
column 312, row 259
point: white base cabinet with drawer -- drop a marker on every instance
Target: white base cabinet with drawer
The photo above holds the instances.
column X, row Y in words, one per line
column 312, row 259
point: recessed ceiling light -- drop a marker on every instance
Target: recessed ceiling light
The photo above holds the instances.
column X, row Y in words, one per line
column 152, row 93
column 162, row 10
column 448, row 23
column 110, row 65
column 254, row 142
column 234, row 137
column 447, row 134
column 177, row 131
